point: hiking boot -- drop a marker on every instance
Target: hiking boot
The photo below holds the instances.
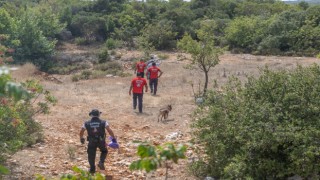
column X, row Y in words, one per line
column 92, row 171
column 101, row 166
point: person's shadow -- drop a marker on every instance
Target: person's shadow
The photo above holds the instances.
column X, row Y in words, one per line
column 143, row 114
column 166, row 121
column 108, row 177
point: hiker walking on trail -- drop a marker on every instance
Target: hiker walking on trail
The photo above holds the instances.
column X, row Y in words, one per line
column 153, row 74
column 97, row 139
column 140, row 66
column 136, row 87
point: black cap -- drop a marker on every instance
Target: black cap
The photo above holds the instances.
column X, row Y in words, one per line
column 154, row 64
column 94, row 112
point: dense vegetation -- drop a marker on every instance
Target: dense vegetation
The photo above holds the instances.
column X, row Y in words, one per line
column 267, row 128
column 253, row 26
column 18, row 105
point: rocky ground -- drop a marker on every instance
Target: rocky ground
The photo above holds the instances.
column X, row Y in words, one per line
column 62, row 149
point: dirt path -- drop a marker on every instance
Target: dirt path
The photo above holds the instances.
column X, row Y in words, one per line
column 110, row 95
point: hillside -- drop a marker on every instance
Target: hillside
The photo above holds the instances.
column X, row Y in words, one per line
column 110, row 95
column 298, row 1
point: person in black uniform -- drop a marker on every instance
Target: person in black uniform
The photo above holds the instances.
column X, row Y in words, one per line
column 96, row 138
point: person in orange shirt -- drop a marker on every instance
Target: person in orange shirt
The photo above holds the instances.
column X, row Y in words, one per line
column 153, row 74
column 136, row 87
column 140, row 66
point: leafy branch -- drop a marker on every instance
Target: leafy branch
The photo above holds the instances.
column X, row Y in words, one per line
column 151, row 157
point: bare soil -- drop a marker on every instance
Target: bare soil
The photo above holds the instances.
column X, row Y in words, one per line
column 110, row 95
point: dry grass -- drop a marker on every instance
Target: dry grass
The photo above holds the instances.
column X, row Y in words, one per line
column 24, row 72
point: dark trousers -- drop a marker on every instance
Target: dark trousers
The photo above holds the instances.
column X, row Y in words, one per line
column 137, row 96
column 141, row 74
column 92, row 149
column 153, row 85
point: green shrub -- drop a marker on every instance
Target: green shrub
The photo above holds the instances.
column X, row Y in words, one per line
column 113, row 65
column 75, row 77
column 198, row 168
column 163, row 56
column 266, row 129
column 3, row 170
column 68, row 69
column 81, row 41
column 151, row 157
column 318, row 56
column 124, row 74
column 103, row 55
column 18, row 128
column 44, row 64
column 98, row 74
column 79, row 174
column 86, row 74
column 92, row 74
column 110, row 43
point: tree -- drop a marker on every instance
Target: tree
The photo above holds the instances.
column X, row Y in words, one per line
column 130, row 23
column 204, row 52
column 266, row 128
column 179, row 13
column 33, row 43
column 246, row 32
column 159, row 35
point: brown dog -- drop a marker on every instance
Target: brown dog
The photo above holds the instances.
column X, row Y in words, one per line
column 164, row 112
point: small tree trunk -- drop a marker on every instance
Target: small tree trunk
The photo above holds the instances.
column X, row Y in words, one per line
column 205, row 83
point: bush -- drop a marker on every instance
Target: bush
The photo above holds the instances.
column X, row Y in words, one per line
column 110, row 43
column 103, row 56
column 81, row 41
column 153, row 157
column 18, row 128
column 93, row 74
column 75, row 78
column 78, row 174
column 163, row 56
column 266, row 129
column 86, row 74
column 109, row 66
column 98, row 74
column 92, row 26
column 60, row 69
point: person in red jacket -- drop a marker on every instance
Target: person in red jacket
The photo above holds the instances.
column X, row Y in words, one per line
column 140, row 66
column 136, row 87
column 153, row 74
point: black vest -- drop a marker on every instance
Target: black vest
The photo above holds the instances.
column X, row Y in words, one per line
column 96, row 128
